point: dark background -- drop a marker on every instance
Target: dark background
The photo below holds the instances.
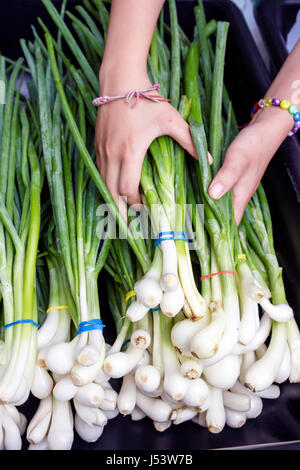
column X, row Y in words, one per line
column 247, row 79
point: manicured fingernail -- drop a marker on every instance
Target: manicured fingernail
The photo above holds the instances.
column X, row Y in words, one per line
column 216, row 190
column 210, row 158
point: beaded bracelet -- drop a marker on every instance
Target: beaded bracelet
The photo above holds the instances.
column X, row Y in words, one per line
column 283, row 104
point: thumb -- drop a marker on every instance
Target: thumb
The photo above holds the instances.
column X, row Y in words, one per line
column 179, row 130
column 228, row 175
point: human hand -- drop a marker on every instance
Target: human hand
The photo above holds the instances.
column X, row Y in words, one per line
column 123, row 136
column 248, row 157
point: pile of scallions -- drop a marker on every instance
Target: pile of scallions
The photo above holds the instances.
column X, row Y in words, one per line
column 202, row 327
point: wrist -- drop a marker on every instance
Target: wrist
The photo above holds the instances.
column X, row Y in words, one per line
column 116, row 77
column 269, row 128
column 274, row 120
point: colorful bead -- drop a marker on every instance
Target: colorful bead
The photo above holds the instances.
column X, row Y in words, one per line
column 276, row 102
column 296, row 117
column 293, row 109
column 268, row 101
column 295, row 128
column 285, row 104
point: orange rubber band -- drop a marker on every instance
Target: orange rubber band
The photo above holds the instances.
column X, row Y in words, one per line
column 216, row 274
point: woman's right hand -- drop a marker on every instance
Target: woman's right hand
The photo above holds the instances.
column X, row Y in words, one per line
column 123, row 135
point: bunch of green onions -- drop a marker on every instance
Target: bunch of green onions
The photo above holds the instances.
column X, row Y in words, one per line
column 76, row 249
column 20, row 207
column 203, row 328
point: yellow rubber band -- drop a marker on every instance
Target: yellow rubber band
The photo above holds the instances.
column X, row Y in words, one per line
column 242, row 256
column 59, row 307
column 129, row 294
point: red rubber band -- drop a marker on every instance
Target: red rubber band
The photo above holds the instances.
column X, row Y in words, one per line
column 216, row 274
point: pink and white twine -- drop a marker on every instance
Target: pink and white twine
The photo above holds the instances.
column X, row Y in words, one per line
column 137, row 94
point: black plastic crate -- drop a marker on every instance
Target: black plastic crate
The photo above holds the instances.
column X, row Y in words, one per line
column 17, row 16
column 247, row 79
column 275, row 19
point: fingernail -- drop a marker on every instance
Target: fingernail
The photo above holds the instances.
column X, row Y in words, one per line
column 216, row 190
column 210, row 158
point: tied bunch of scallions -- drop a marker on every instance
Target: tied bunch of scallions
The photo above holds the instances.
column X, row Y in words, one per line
column 220, row 345
column 69, row 356
column 203, row 328
column 21, row 181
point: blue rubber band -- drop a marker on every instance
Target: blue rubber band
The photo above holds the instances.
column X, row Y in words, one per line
column 157, row 242
column 94, row 324
column 125, row 342
column 172, row 232
column 155, row 309
column 164, row 236
column 21, row 321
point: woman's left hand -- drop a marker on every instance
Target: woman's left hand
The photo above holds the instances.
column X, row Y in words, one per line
column 248, row 157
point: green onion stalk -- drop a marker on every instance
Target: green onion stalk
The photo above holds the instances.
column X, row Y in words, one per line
column 75, row 257
column 164, row 175
column 217, row 213
column 174, row 78
column 89, row 159
column 133, row 338
column 252, row 261
column 171, row 264
column 68, row 194
column 281, row 358
column 165, row 200
column 148, row 301
column 20, row 209
column 260, row 285
column 91, row 248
